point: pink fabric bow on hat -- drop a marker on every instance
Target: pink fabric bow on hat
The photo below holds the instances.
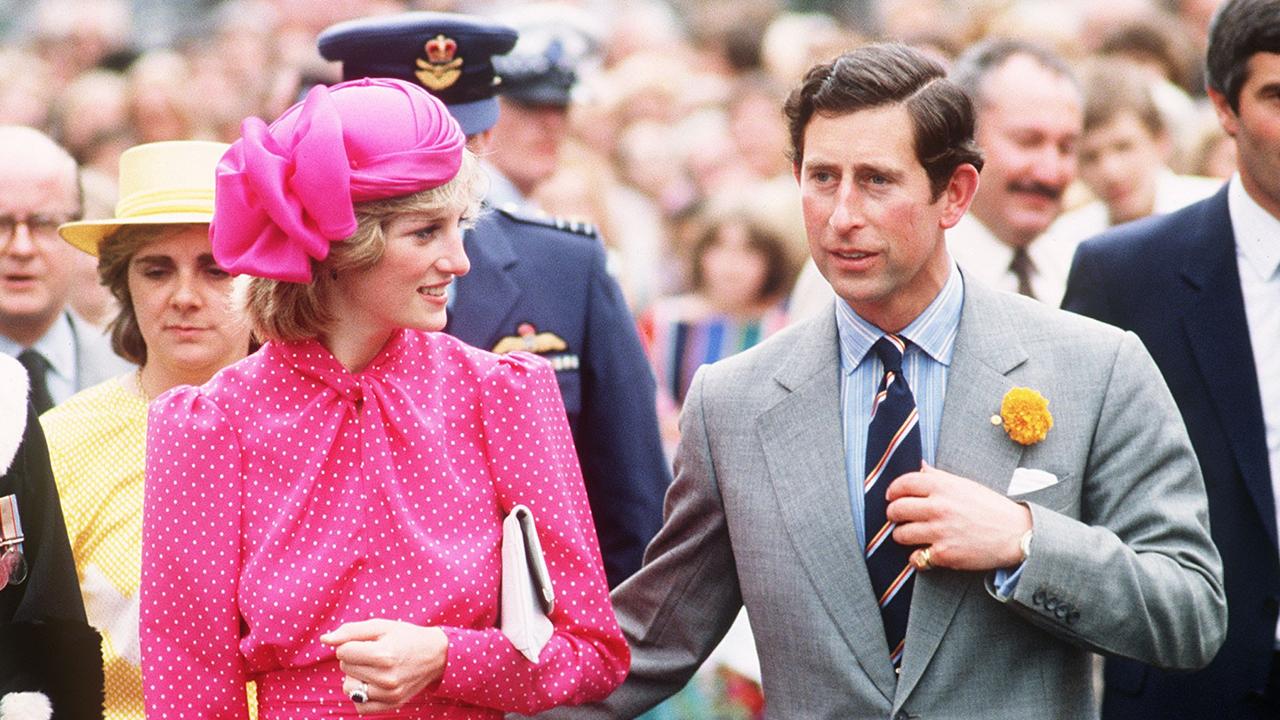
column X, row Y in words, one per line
column 285, row 191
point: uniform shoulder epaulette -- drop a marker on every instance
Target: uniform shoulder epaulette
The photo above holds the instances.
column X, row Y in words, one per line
column 542, row 219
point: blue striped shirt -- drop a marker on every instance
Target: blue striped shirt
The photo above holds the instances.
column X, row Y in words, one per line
column 933, row 338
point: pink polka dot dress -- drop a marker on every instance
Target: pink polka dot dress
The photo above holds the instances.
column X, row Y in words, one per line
column 288, row 496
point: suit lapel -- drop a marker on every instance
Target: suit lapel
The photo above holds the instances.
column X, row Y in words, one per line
column 968, row 446
column 1218, row 333
column 480, row 314
column 804, row 451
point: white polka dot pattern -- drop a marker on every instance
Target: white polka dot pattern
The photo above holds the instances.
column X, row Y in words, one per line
column 288, row 496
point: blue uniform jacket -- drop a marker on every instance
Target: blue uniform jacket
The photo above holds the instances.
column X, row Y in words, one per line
column 541, row 285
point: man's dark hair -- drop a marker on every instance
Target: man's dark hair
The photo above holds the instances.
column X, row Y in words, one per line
column 978, row 62
column 887, row 74
column 1240, row 29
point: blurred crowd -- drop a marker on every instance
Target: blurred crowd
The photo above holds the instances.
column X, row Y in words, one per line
column 676, row 117
column 674, row 144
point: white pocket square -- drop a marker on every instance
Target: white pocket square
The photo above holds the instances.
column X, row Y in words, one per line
column 1027, row 480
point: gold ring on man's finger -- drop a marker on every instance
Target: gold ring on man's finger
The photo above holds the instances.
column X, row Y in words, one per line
column 924, row 559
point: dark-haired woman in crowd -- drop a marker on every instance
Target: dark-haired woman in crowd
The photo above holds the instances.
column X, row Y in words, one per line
column 741, row 271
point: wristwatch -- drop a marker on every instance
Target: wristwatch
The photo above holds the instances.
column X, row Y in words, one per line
column 1024, row 544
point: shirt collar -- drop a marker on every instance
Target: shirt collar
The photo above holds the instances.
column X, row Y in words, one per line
column 1257, row 231
column 999, row 254
column 933, row 331
column 57, row 346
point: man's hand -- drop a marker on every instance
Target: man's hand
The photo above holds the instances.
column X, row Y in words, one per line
column 396, row 659
column 966, row 526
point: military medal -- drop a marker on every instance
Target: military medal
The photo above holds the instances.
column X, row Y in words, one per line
column 13, row 566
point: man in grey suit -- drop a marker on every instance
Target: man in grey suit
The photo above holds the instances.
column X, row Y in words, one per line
column 1015, row 548
column 39, row 190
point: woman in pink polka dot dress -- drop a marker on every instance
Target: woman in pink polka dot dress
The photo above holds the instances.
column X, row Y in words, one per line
column 324, row 517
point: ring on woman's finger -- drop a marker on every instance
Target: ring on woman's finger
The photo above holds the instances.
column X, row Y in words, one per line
column 361, row 693
column 924, row 559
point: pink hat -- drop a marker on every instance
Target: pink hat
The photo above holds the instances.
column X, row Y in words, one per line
column 286, row 191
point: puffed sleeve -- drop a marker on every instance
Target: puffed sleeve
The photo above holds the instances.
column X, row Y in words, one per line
column 190, row 626
column 532, row 459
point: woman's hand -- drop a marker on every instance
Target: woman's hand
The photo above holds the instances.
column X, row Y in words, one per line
column 396, row 659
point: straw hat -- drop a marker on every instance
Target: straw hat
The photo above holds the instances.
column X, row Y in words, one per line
column 161, row 183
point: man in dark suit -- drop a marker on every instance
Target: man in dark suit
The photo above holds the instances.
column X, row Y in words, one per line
column 1201, row 287
column 536, row 283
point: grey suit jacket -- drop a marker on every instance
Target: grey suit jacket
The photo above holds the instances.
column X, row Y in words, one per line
column 760, row 514
column 96, row 362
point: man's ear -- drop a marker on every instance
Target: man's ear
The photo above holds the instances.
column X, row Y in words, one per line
column 958, row 195
column 1226, row 116
column 479, row 143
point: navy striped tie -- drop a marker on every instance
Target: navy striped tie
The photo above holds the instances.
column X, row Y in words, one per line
column 893, row 448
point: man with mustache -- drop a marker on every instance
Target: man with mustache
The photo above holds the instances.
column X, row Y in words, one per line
column 1029, row 113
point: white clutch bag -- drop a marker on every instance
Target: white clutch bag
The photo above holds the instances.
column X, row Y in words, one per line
column 527, row 596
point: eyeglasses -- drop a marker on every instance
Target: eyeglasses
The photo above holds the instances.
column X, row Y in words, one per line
column 39, row 226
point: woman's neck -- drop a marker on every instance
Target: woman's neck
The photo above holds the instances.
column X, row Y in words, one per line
column 154, row 378
column 355, row 347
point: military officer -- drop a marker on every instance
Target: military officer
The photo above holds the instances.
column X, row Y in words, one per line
column 536, row 283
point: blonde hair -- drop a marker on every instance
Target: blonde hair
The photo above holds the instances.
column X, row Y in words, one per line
column 299, row 311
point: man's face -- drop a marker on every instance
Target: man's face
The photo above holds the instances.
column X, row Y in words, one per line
column 1256, row 129
column 874, row 231
column 526, row 142
column 1120, row 161
column 1029, row 120
column 36, row 265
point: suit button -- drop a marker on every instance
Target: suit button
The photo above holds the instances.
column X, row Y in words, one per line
column 1072, row 617
column 1038, row 597
column 902, row 715
column 1051, row 603
column 1062, row 611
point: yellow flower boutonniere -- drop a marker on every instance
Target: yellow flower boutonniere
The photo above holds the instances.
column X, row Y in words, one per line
column 1025, row 416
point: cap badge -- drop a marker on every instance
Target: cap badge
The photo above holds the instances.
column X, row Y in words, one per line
column 528, row 339
column 441, row 69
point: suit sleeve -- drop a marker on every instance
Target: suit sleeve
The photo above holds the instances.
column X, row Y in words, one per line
column 190, row 624
column 1087, row 285
column 532, row 460
column 1138, row 574
column 619, row 443
column 680, row 605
